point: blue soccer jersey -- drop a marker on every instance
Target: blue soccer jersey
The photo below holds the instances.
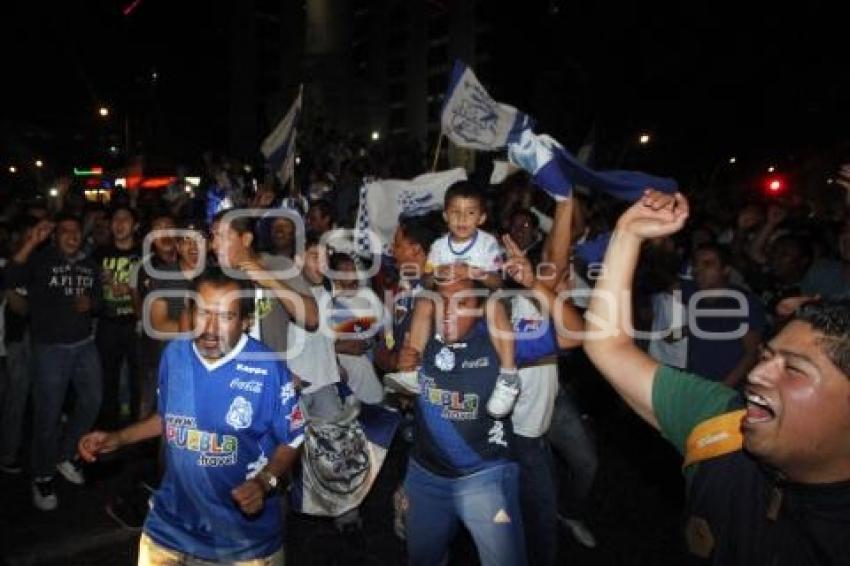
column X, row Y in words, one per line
column 221, row 423
column 455, row 435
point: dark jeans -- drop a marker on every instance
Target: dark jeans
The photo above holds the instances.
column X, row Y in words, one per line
column 538, row 499
column 572, row 443
column 55, row 367
column 149, row 352
column 117, row 342
column 17, row 378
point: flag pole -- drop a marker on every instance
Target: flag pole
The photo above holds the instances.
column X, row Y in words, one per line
column 437, row 152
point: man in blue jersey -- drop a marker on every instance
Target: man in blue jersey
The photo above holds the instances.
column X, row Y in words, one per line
column 461, row 470
column 228, row 414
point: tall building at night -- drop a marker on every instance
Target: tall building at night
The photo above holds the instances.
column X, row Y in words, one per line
column 266, row 39
column 383, row 65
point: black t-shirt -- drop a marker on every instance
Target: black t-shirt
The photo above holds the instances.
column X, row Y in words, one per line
column 739, row 512
column 753, row 517
column 54, row 283
column 116, row 266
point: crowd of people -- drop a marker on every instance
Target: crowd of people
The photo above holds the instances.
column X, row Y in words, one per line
column 241, row 348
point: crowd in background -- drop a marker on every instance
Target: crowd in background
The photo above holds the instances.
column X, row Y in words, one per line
column 66, row 371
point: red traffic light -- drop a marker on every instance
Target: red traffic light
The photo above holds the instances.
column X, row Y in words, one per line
column 774, row 185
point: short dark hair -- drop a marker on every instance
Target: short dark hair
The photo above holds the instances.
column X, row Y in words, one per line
column 422, row 230
column 325, row 208
column 798, row 240
column 241, row 223
column 67, row 216
column 831, row 318
column 311, row 239
column 722, row 251
column 122, row 206
column 216, row 277
column 336, row 259
column 464, row 189
column 521, row 211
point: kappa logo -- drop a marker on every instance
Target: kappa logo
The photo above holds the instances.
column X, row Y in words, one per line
column 240, row 413
column 251, row 370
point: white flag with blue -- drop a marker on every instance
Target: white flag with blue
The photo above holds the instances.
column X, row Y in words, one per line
column 383, row 201
column 471, row 118
column 341, row 460
column 279, row 147
column 557, row 171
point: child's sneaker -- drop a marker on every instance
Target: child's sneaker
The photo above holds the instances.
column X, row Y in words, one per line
column 404, row 382
column 504, row 395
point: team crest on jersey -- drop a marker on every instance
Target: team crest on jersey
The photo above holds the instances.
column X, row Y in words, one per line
column 445, row 359
column 240, row 413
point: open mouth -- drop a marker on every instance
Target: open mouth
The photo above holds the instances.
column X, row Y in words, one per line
column 208, row 342
column 758, row 409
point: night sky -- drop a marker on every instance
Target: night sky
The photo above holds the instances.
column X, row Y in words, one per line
column 708, row 79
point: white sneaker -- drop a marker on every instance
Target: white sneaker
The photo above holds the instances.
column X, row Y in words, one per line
column 504, row 395
column 404, row 382
column 579, row 531
column 71, row 471
column 44, row 495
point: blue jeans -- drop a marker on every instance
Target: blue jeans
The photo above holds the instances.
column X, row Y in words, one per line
column 539, row 499
column 55, row 367
column 571, row 441
column 486, row 502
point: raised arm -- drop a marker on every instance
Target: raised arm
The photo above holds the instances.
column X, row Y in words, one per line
column 608, row 342
column 556, row 251
column 302, row 308
column 557, row 246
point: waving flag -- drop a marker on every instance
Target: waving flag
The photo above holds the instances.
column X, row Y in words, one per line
column 279, row 147
column 556, row 170
column 471, row 118
column 383, row 201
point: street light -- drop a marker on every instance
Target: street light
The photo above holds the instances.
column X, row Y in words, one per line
column 13, row 169
column 103, row 111
column 644, row 139
column 376, row 135
column 39, row 163
column 771, row 169
column 54, row 192
column 733, row 160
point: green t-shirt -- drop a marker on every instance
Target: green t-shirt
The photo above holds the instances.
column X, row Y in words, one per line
column 683, row 400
